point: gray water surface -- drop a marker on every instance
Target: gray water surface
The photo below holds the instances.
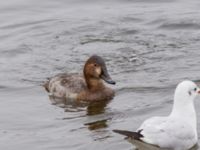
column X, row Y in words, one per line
column 149, row 46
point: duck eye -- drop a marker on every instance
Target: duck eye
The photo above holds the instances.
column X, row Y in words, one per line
column 95, row 65
column 195, row 89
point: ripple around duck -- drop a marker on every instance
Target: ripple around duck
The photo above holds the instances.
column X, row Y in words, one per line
column 142, row 89
column 142, row 110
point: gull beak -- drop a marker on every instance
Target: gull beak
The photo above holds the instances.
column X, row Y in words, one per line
column 198, row 91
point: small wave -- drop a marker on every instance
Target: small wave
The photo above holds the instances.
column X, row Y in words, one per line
column 157, row 21
column 125, row 31
column 18, row 25
column 3, row 87
column 22, row 49
column 103, row 40
column 127, row 59
column 130, row 19
column 180, row 26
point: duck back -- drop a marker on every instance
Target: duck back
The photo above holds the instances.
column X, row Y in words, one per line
column 65, row 84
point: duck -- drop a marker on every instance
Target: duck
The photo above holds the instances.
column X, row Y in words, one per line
column 87, row 87
column 178, row 131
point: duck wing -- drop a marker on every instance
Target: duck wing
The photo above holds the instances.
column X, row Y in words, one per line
column 65, row 84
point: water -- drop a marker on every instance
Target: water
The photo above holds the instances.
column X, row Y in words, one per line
column 149, row 46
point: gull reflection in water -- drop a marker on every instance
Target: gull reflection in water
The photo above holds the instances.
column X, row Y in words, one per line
column 144, row 146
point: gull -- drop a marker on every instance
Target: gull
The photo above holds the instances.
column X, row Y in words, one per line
column 178, row 131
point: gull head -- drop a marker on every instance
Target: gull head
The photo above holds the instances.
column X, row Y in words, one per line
column 183, row 107
column 186, row 91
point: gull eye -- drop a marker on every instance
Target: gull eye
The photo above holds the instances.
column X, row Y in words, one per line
column 195, row 89
column 189, row 93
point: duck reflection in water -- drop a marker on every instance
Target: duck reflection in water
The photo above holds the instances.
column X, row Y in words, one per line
column 97, row 108
column 91, row 109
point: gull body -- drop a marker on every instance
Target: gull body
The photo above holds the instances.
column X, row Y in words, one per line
column 178, row 131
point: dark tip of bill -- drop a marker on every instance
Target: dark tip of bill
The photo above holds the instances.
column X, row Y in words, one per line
column 111, row 82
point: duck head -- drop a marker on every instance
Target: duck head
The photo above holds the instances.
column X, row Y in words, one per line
column 95, row 69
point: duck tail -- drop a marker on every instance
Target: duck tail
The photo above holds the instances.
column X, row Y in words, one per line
column 135, row 135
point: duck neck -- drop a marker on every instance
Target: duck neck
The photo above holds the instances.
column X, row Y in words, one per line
column 184, row 109
column 94, row 84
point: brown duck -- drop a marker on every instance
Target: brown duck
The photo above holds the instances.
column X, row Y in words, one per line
column 86, row 87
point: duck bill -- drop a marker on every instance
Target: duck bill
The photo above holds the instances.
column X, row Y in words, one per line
column 106, row 77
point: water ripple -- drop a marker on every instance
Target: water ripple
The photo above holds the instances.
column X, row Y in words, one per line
column 180, row 26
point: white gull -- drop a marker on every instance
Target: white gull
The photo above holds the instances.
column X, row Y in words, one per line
column 178, row 131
